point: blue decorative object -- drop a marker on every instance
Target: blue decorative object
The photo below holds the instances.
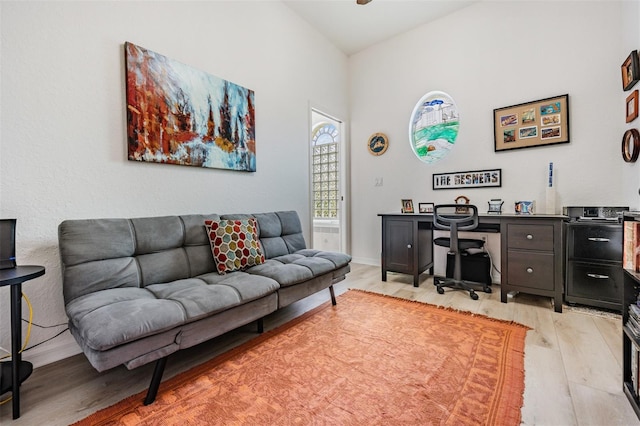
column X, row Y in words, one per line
column 524, row 207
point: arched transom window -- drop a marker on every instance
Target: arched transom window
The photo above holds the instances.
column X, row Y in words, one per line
column 325, row 171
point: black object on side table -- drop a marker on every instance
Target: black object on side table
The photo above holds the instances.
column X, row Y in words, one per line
column 13, row 373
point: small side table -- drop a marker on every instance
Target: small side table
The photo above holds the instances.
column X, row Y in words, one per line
column 19, row 370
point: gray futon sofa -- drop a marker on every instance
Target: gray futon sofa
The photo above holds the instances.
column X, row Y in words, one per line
column 138, row 290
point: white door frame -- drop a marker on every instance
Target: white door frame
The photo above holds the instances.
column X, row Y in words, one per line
column 344, row 207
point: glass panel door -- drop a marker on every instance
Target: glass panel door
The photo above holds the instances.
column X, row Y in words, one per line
column 326, row 182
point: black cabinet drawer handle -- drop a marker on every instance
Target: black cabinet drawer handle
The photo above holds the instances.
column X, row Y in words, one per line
column 603, row 240
column 598, row 276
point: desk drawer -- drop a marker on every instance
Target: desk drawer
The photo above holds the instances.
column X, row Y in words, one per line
column 527, row 269
column 594, row 281
column 530, row 237
column 599, row 242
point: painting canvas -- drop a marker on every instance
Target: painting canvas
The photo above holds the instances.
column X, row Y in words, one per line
column 180, row 115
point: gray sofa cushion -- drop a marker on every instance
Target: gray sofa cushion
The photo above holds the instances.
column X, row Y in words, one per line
column 289, row 261
column 196, row 244
column 154, row 234
column 163, row 266
column 301, row 266
column 195, row 232
column 109, row 318
column 248, row 287
column 208, row 294
column 273, row 247
column 285, row 274
column 86, row 278
column 280, row 233
column 338, row 259
column 269, row 225
column 196, row 298
column 84, row 240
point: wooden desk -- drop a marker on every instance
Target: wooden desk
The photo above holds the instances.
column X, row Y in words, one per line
column 531, row 248
column 19, row 370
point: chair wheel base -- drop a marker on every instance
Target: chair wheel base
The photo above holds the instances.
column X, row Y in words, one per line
column 441, row 282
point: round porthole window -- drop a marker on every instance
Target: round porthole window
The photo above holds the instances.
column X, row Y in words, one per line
column 433, row 128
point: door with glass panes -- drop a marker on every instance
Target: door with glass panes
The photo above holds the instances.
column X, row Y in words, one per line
column 326, row 182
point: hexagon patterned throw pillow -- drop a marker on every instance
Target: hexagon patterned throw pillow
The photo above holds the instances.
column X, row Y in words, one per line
column 234, row 244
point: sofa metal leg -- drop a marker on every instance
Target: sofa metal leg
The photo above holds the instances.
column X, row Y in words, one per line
column 333, row 295
column 155, row 380
column 260, row 323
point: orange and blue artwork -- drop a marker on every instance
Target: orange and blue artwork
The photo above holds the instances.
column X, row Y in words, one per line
column 179, row 115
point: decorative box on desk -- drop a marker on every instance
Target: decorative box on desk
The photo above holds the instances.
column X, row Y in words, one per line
column 631, row 311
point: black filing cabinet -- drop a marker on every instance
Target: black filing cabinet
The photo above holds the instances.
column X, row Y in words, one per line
column 594, row 265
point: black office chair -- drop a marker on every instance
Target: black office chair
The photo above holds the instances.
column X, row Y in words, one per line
column 454, row 218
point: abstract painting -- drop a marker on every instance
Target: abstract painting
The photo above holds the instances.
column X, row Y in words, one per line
column 180, row 115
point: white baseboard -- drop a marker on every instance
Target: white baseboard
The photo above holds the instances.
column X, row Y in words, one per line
column 366, row 261
column 62, row 347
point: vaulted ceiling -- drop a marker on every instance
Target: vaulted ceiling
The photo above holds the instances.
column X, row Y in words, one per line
column 353, row 27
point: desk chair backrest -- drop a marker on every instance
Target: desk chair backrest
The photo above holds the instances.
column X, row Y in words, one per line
column 445, row 217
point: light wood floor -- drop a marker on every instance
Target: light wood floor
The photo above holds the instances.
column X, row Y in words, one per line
column 573, row 373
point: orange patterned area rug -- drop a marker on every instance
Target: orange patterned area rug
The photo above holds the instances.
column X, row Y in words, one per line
column 372, row 359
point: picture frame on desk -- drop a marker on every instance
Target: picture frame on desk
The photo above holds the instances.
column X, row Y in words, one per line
column 425, row 207
column 407, row 206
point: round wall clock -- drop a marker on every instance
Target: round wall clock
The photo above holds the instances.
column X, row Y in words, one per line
column 631, row 145
column 433, row 127
column 378, row 143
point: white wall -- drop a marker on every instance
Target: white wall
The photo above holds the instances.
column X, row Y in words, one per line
column 63, row 137
column 630, row 41
column 486, row 56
